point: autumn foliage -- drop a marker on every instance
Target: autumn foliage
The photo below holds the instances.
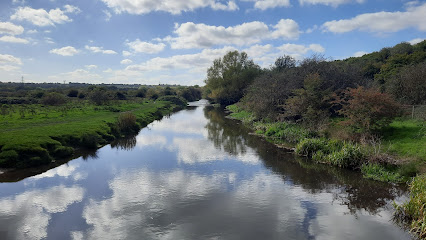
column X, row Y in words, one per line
column 367, row 110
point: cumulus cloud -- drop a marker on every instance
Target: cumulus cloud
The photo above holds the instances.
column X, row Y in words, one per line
column 170, row 6
column 13, row 39
column 138, row 46
column 65, row 51
column 99, row 50
column 91, row 66
column 78, row 75
column 187, row 61
column 9, row 59
column 42, row 18
column 333, row 3
column 381, row 22
column 126, row 61
column 360, row 54
column 192, row 35
column 265, row 4
column 10, row 28
column 416, row 40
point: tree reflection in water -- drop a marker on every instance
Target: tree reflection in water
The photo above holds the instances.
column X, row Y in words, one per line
column 127, row 143
column 347, row 187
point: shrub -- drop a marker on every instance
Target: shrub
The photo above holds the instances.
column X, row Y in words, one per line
column 368, row 109
column 61, row 152
column 99, row 96
column 174, row 99
column 72, row 93
column 81, row 95
column 90, row 141
column 349, row 156
column 413, row 212
column 8, row 158
column 127, row 122
column 53, row 99
column 309, row 146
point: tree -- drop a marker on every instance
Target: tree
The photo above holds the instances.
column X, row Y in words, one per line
column 367, row 110
column 229, row 76
column 283, row 63
column 311, row 103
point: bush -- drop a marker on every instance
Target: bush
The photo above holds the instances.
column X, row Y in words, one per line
column 8, row 158
column 309, row 146
column 90, row 141
column 72, row 93
column 174, row 99
column 53, row 99
column 413, row 212
column 99, row 96
column 127, row 122
column 368, row 110
column 61, row 152
column 350, row 156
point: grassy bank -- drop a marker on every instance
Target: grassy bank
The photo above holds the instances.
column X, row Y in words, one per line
column 403, row 139
column 32, row 135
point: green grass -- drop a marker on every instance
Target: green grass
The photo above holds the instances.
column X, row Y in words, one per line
column 381, row 173
column 413, row 212
column 406, row 138
column 41, row 135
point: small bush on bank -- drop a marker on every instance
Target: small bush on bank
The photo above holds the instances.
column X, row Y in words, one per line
column 413, row 212
column 174, row 99
column 126, row 122
column 7, row 158
column 350, row 156
column 309, row 146
column 61, row 152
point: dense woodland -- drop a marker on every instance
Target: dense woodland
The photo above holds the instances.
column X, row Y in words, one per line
column 316, row 88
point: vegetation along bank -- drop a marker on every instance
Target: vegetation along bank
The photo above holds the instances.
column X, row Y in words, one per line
column 42, row 123
column 364, row 113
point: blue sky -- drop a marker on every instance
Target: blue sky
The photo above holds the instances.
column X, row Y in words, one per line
column 175, row 41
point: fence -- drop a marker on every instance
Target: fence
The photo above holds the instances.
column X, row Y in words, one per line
column 415, row 111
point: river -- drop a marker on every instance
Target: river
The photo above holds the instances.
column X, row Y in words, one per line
column 197, row 175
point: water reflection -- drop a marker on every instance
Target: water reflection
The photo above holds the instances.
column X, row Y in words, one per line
column 196, row 175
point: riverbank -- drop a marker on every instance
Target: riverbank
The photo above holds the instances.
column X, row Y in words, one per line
column 401, row 160
column 40, row 135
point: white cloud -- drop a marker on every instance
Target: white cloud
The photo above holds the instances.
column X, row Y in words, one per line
column 49, row 40
column 71, row 9
column 198, row 61
column 32, row 31
column 191, row 35
column 108, row 15
column 416, row 40
column 10, row 28
column 381, row 22
column 360, row 54
column 41, row 17
column 333, row 3
column 126, row 61
column 126, row 53
column 9, row 68
column 91, row 66
column 145, row 47
column 65, row 51
column 171, row 6
column 265, row 4
column 9, row 59
column 12, row 39
column 100, row 50
column 78, row 75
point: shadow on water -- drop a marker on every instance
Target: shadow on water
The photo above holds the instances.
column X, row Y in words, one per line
column 348, row 187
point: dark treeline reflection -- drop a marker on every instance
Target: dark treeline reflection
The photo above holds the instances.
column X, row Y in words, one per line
column 348, row 187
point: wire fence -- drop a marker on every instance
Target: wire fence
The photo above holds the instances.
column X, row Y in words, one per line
column 415, row 111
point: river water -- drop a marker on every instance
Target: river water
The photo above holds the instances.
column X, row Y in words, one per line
column 197, row 175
